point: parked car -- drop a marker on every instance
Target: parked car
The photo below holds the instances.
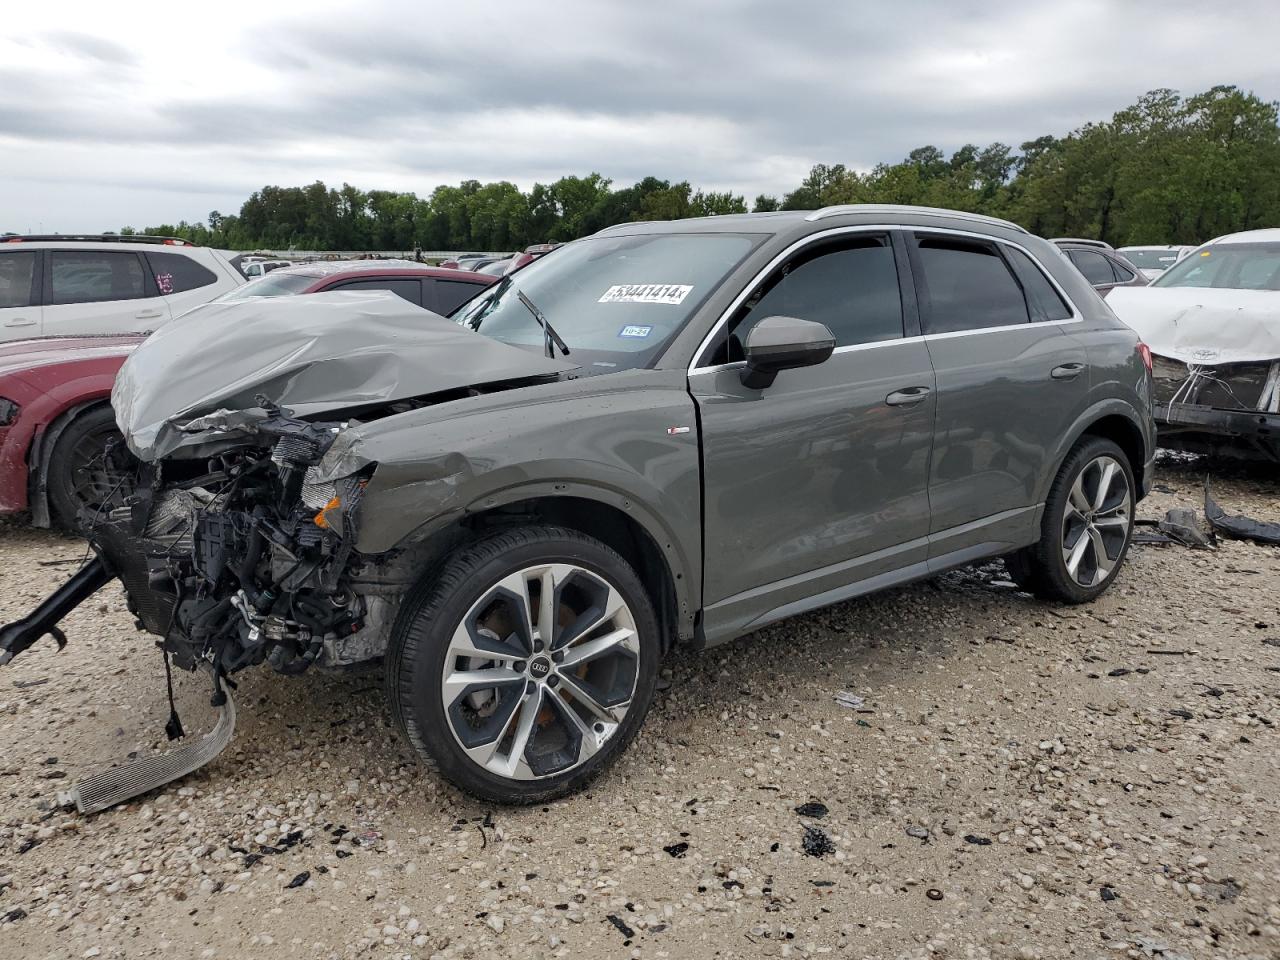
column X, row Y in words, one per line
column 475, row 263
column 434, row 288
column 1211, row 321
column 1153, row 261
column 452, row 262
column 1102, row 266
column 55, row 414
column 531, row 254
column 260, row 268
column 667, row 433
column 58, row 285
column 499, row 268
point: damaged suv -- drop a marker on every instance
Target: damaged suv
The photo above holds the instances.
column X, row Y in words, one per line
column 666, row 433
column 1212, row 321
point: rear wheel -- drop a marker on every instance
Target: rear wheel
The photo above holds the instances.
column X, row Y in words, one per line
column 90, row 468
column 1086, row 528
column 525, row 665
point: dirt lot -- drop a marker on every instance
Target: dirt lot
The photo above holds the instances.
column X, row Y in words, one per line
column 1022, row 781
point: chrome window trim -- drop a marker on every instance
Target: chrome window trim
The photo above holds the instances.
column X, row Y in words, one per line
column 780, row 258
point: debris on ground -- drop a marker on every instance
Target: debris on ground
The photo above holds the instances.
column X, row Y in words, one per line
column 677, row 850
column 814, row 808
column 918, row 832
column 1182, row 524
column 1237, row 526
column 816, row 843
column 850, row 700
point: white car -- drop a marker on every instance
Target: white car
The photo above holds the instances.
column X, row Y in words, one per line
column 260, row 268
column 52, row 286
column 1211, row 322
column 1153, row 261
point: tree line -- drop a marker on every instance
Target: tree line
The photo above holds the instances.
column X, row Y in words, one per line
column 1167, row 169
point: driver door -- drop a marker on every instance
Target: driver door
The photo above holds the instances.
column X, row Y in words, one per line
column 817, row 485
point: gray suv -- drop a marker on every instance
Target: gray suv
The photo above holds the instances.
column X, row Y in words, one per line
column 666, row 433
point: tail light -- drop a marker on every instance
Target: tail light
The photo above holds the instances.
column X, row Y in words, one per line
column 1145, row 353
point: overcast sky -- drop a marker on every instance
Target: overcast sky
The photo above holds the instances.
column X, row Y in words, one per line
column 145, row 113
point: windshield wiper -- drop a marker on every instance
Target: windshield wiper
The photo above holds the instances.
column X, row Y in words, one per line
column 549, row 332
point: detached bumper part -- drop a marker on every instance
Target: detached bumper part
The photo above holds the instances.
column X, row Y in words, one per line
column 101, row 791
column 18, row 636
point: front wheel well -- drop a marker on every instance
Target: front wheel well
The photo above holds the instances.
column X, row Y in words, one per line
column 1126, row 435
column 612, row 527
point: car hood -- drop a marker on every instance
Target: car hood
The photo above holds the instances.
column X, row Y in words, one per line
column 1202, row 325
column 22, row 355
column 312, row 355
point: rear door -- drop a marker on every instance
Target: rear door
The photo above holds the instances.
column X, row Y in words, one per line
column 820, row 480
column 1010, row 380
column 100, row 291
column 20, row 310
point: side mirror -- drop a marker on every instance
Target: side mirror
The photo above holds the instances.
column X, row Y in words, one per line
column 781, row 343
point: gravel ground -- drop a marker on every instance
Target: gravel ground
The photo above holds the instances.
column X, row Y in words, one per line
column 1022, row 780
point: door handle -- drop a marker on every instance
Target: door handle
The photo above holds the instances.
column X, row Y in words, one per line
column 908, row 396
column 1068, row 371
column 148, row 314
column 20, row 322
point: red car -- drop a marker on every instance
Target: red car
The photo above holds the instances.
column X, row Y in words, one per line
column 55, row 414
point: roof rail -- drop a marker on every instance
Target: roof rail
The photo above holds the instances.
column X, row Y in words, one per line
column 893, row 208
column 1083, row 241
column 96, row 238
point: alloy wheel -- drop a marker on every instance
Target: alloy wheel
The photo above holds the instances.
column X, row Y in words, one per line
column 541, row 671
column 100, row 475
column 1096, row 521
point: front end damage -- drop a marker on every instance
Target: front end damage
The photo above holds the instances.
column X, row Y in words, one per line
column 238, row 547
column 1231, row 408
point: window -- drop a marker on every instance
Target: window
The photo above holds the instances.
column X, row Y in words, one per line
column 1095, row 267
column 17, row 270
column 84, row 276
column 277, row 285
column 1044, row 302
column 1123, row 273
column 406, row 288
column 451, row 294
column 967, row 286
column 851, row 286
column 1227, row 266
column 175, row 273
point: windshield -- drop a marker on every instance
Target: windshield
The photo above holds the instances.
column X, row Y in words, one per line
column 273, row 285
column 1150, row 259
column 1227, row 266
column 616, row 301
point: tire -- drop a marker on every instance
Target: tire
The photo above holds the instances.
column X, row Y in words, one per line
column 463, row 696
column 81, row 474
column 1060, row 566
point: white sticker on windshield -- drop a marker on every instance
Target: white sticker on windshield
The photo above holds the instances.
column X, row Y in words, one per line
column 672, row 293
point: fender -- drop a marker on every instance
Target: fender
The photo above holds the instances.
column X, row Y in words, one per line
column 633, row 496
column 1110, row 406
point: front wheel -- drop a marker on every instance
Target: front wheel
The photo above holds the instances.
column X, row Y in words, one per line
column 90, row 468
column 1086, row 528
column 525, row 665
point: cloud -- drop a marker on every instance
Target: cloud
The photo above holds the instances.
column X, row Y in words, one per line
column 729, row 94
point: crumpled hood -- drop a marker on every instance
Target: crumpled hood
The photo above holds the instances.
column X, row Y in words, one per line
column 1202, row 325
column 311, row 354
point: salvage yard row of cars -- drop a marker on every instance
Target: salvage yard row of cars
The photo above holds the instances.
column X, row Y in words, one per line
column 665, row 433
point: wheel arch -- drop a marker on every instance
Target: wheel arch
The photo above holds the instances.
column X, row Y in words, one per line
column 42, row 447
column 1113, row 420
column 650, row 550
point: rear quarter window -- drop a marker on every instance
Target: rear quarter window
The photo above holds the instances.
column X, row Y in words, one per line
column 451, row 294
column 175, row 273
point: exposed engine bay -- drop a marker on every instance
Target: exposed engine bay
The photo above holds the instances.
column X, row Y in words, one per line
column 241, row 558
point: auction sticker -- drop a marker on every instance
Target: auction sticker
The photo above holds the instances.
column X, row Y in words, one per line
column 635, row 331
column 672, row 293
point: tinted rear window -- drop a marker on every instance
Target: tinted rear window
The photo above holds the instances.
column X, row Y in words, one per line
column 451, row 294
column 176, row 273
column 968, row 286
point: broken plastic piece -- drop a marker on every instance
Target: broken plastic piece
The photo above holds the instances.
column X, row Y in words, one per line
column 1183, row 525
column 1237, row 526
column 850, row 700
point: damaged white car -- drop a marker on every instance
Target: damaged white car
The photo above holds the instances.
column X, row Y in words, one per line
column 1212, row 322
